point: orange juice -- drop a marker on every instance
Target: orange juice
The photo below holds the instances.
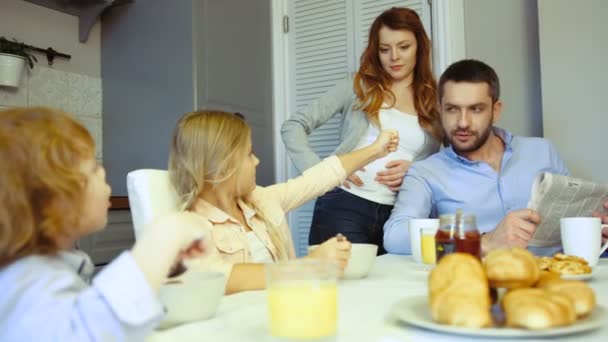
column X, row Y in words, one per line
column 427, row 246
column 303, row 310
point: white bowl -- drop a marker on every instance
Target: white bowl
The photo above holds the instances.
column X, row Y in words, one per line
column 362, row 257
column 194, row 296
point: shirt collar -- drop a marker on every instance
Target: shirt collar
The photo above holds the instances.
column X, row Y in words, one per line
column 216, row 215
column 248, row 212
column 79, row 261
column 503, row 134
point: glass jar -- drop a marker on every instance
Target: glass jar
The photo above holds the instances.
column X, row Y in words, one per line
column 457, row 233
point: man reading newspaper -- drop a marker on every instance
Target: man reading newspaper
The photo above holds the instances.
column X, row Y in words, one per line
column 485, row 170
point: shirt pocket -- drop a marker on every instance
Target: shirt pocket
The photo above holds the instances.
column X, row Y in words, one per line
column 230, row 245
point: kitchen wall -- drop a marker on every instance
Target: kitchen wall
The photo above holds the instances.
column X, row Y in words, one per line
column 573, row 53
column 71, row 85
column 148, row 81
column 234, row 69
column 504, row 34
column 162, row 59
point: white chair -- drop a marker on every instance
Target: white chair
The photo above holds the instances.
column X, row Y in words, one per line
column 150, row 195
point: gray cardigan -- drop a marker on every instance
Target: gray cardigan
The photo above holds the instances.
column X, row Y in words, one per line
column 354, row 123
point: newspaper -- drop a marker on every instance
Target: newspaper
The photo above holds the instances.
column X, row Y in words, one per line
column 556, row 196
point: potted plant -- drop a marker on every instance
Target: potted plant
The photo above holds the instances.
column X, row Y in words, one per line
column 14, row 56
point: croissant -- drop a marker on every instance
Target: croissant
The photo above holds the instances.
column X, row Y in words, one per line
column 534, row 308
column 581, row 295
column 511, row 268
column 546, row 276
column 459, row 292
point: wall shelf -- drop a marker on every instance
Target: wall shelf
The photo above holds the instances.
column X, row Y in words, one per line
column 87, row 11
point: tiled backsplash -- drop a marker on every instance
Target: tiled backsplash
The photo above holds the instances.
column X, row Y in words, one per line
column 74, row 93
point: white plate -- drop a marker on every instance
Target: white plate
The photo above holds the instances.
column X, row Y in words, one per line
column 415, row 311
column 585, row 276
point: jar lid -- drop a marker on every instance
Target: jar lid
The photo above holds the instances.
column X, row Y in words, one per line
column 451, row 219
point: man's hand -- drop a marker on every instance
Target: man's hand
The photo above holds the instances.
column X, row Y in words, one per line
column 605, row 221
column 394, row 173
column 515, row 230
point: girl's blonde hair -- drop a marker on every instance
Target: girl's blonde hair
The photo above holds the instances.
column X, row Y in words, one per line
column 207, row 149
column 41, row 182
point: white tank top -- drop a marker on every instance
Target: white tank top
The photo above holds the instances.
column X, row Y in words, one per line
column 411, row 142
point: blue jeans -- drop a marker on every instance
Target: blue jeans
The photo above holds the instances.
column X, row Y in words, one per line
column 360, row 220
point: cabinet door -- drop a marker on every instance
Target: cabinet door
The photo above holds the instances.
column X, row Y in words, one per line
column 326, row 38
column 320, row 53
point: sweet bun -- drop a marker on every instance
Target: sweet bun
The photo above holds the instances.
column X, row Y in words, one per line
column 534, row 308
column 464, row 310
column 455, row 270
column 581, row 295
column 511, row 268
column 546, row 276
column 459, row 292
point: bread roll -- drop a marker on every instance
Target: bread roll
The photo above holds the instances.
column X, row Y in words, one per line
column 459, row 292
column 581, row 295
column 511, row 268
column 533, row 308
column 546, row 276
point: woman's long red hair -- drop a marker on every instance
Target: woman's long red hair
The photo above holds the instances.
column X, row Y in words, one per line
column 372, row 83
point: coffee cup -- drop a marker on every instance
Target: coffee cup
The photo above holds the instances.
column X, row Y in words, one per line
column 582, row 237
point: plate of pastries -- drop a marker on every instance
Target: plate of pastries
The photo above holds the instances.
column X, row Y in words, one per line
column 567, row 266
column 506, row 295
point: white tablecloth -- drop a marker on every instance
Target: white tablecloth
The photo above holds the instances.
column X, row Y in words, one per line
column 364, row 307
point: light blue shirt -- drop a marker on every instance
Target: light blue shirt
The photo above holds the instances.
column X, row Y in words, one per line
column 445, row 182
column 45, row 298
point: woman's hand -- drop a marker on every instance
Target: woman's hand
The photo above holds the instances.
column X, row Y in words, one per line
column 353, row 179
column 394, row 173
column 336, row 249
column 387, row 142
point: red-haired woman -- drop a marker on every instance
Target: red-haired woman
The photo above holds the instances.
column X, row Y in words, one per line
column 393, row 89
column 52, row 193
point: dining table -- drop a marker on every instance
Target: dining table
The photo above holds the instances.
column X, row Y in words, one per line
column 366, row 310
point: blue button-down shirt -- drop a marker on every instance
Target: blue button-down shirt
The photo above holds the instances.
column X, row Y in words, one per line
column 48, row 298
column 445, row 182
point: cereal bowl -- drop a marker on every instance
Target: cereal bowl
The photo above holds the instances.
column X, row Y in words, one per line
column 362, row 257
column 194, row 296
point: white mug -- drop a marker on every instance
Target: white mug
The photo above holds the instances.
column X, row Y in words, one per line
column 414, row 226
column 582, row 236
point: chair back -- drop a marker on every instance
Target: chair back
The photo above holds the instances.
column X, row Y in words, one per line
column 150, row 195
